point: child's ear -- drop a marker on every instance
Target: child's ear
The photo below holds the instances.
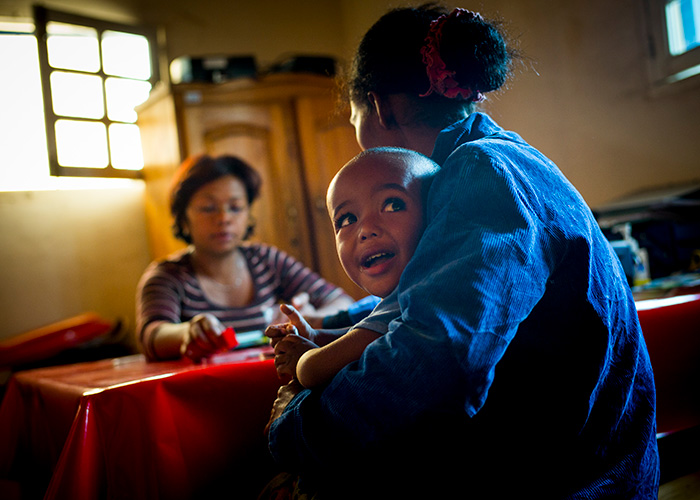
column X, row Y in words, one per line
column 383, row 108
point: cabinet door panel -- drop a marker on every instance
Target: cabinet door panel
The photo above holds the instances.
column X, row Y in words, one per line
column 260, row 135
column 328, row 142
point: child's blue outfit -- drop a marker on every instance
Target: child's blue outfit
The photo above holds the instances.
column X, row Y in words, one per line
column 518, row 364
column 358, row 310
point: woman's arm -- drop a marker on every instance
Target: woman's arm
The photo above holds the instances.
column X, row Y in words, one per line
column 166, row 338
column 318, row 366
column 161, row 331
column 159, row 327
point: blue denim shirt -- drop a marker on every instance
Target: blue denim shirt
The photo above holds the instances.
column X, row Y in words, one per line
column 518, row 363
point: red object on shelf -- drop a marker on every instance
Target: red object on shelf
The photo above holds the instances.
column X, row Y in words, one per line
column 50, row 340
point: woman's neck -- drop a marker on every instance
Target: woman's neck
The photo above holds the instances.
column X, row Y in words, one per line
column 414, row 133
column 220, row 268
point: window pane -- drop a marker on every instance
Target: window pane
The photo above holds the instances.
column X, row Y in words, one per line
column 123, row 96
column 683, row 25
column 73, row 47
column 77, row 95
column 126, row 54
column 23, row 156
column 81, row 144
column 125, row 146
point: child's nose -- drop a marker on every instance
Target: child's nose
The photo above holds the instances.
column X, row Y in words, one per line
column 369, row 228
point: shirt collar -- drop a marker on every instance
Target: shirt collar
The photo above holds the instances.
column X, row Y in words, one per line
column 471, row 128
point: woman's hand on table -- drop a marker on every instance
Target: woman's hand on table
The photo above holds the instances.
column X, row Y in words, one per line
column 203, row 337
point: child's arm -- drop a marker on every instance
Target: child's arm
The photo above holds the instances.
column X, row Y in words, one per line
column 319, row 366
column 298, row 325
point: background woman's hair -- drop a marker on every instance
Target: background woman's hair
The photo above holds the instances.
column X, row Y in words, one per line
column 389, row 60
column 197, row 171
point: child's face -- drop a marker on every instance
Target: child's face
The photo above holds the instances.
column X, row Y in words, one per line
column 377, row 213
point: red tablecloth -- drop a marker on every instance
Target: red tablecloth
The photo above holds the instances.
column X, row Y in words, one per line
column 671, row 328
column 125, row 428
column 128, row 429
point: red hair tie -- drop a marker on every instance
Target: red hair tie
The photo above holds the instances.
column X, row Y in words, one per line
column 441, row 79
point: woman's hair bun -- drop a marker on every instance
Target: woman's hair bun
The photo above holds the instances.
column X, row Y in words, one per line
column 390, row 59
column 476, row 51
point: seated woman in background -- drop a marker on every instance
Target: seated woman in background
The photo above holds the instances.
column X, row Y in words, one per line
column 186, row 301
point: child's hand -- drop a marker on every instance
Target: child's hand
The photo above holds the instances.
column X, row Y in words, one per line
column 277, row 332
column 303, row 328
column 297, row 325
column 302, row 303
column 288, row 350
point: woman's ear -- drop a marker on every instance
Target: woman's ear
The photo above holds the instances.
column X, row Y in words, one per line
column 383, row 108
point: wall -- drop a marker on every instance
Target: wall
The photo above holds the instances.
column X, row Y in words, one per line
column 62, row 255
column 68, row 252
column 581, row 96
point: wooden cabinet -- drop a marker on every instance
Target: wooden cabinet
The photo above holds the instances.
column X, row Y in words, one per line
column 286, row 126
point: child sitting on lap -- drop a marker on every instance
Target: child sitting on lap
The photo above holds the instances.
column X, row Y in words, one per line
column 376, row 205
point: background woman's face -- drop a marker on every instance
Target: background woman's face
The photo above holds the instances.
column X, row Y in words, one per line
column 218, row 215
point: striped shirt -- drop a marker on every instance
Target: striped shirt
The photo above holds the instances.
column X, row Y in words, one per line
column 170, row 291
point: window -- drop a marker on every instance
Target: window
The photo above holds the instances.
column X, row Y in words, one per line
column 683, row 23
column 82, row 58
column 673, row 28
column 93, row 74
column 23, row 157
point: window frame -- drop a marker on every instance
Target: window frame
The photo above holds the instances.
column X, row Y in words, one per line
column 42, row 16
column 666, row 70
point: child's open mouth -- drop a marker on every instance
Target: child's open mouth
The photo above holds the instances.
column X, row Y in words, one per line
column 377, row 258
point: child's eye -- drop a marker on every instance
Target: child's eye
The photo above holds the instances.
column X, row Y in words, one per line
column 394, row 205
column 344, row 220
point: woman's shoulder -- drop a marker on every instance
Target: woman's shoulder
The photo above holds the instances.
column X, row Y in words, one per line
column 177, row 258
column 174, row 263
column 259, row 250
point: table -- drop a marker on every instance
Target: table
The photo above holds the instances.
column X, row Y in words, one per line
column 127, row 428
column 671, row 328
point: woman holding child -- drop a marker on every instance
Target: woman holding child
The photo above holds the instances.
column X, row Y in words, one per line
column 516, row 365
